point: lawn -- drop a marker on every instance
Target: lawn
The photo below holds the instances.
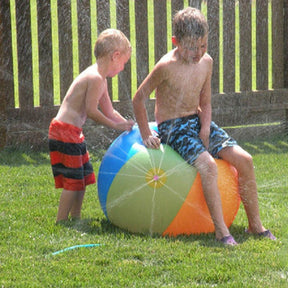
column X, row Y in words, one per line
column 29, row 236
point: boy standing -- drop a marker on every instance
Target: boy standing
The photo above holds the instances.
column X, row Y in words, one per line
column 72, row 169
column 182, row 79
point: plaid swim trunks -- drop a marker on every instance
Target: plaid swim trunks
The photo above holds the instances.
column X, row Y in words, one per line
column 70, row 161
column 182, row 134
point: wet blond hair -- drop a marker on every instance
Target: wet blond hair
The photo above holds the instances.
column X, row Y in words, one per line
column 109, row 41
column 189, row 23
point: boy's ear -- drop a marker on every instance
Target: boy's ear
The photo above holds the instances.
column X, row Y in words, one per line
column 174, row 41
column 115, row 55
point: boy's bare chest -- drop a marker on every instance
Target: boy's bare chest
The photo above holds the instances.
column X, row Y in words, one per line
column 186, row 82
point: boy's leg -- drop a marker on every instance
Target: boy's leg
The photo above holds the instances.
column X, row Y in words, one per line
column 243, row 162
column 77, row 205
column 207, row 168
column 65, row 204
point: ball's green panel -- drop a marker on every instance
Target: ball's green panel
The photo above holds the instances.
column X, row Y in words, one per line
column 148, row 191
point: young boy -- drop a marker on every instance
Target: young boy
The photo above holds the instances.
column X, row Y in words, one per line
column 72, row 169
column 182, row 79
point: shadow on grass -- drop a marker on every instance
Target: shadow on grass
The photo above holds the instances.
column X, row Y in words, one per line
column 21, row 156
column 101, row 226
column 18, row 156
column 277, row 145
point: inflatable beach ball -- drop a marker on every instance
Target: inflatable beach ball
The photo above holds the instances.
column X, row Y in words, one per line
column 155, row 191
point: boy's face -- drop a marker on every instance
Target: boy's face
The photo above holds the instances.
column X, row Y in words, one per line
column 191, row 50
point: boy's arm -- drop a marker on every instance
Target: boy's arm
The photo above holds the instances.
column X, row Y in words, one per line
column 205, row 114
column 149, row 84
column 97, row 96
column 119, row 121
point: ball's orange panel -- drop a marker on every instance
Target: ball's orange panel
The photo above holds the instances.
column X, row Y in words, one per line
column 194, row 216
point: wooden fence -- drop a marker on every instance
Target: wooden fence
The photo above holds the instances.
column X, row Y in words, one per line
column 248, row 41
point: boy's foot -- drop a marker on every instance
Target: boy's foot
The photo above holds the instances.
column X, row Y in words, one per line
column 228, row 240
column 267, row 234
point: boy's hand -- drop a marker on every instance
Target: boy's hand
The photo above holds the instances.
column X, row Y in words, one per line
column 152, row 142
column 126, row 125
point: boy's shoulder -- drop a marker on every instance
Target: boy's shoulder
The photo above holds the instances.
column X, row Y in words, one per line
column 91, row 73
column 207, row 57
column 169, row 57
column 166, row 61
column 207, row 60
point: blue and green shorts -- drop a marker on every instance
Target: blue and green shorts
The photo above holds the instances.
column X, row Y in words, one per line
column 182, row 135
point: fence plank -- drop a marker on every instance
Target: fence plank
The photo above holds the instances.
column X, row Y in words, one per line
column 123, row 23
column 24, row 48
column 228, row 45
column 277, row 43
column 262, row 44
column 176, row 5
column 141, row 27
column 195, row 3
column 213, row 43
column 84, row 34
column 6, row 61
column 160, row 29
column 285, row 40
column 65, row 46
column 45, row 53
column 245, row 45
column 6, row 69
column 103, row 23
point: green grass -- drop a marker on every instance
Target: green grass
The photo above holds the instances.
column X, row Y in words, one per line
column 29, row 235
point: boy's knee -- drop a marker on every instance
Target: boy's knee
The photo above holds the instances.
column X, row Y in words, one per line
column 244, row 163
column 247, row 159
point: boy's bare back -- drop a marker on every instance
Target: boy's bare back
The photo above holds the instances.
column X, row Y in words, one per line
column 87, row 88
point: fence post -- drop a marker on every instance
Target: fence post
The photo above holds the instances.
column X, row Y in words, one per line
column 160, row 29
column 245, row 45
column 195, row 3
column 141, row 27
column 228, row 45
column 84, row 34
column 262, row 45
column 213, row 43
column 24, row 49
column 45, row 53
column 65, row 46
column 103, row 23
column 124, row 78
column 6, row 69
column 285, row 40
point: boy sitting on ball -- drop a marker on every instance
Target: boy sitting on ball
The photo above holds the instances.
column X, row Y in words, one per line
column 182, row 80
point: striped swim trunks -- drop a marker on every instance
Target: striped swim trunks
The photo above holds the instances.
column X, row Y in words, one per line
column 182, row 134
column 69, row 157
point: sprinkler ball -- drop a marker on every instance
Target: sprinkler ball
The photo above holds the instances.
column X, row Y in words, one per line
column 155, row 191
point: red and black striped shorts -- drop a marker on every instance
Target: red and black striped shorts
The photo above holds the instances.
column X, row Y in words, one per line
column 70, row 162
